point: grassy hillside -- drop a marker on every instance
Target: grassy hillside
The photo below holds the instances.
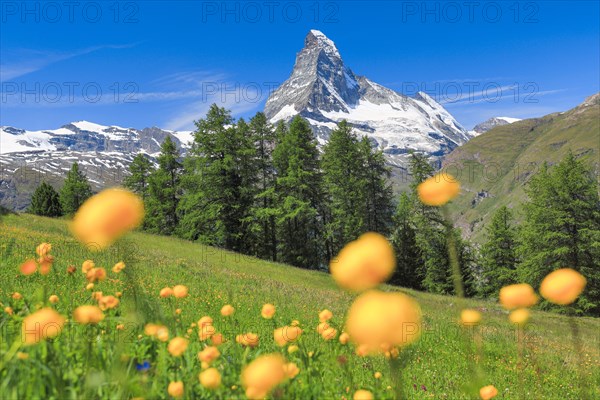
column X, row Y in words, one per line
column 493, row 168
column 440, row 365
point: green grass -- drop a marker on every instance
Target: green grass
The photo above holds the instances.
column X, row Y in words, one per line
column 99, row 362
column 501, row 161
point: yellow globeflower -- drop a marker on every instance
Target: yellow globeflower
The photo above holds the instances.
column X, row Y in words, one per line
column 227, row 310
column 28, row 267
column 344, row 337
column 247, row 339
column 517, row 296
column 217, row 339
column 88, row 314
column 488, row 392
column 438, row 190
column 209, row 354
column 180, row 291
column 286, row 335
column 262, row 375
column 103, row 218
column 120, row 266
column 325, row 315
column 563, row 286
column 177, row 346
column 53, row 299
column 87, row 266
column 268, row 310
column 210, row 378
column 42, row 324
column 43, row 249
column 378, row 321
column 291, row 370
column 519, row 316
column 362, row 395
column 469, row 317
column 166, row 292
column 108, row 302
column 364, row 263
column 175, row 389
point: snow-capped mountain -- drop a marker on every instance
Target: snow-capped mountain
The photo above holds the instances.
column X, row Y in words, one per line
column 324, row 90
column 491, row 123
column 103, row 153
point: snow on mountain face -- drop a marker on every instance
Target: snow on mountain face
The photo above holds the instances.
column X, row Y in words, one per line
column 492, row 123
column 324, row 90
column 87, row 136
column 103, row 153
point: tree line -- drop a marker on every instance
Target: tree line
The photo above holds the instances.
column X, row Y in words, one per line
column 269, row 192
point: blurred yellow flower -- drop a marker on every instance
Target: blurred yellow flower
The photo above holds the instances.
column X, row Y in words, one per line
column 519, row 316
column 291, row 370
column 364, row 263
column 53, row 299
column 517, row 296
column 227, row 310
column 268, row 310
column 563, row 286
column 438, row 189
column 96, row 275
column 42, row 324
column 166, row 292
column 17, row 296
column 88, row 314
column 180, row 291
column 325, row 315
column 118, row 267
column 210, row 378
column 108, row 302
column 103, row 218
column 177, row 346
column 247, row 339
column 377, row 375
column 344, row 337
column 329, row 333
column 43, row 249
column 286, row 334
column 470, row 317
column 292, row 349
column 175, row 389
column 362, row 395
column 87, row 266
column 28, row 267
column 262, row 375
column 378, row 321
column 209, row 354
column 217, row 339
column 488, row 392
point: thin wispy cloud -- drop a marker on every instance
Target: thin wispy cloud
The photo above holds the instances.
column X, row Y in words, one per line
column 25, row 61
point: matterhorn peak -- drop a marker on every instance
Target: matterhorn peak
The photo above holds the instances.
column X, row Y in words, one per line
column 317, row 39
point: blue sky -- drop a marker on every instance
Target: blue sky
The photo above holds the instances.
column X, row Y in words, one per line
column 162, row 63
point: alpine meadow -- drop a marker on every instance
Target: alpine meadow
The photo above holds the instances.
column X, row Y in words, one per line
column 309, row 234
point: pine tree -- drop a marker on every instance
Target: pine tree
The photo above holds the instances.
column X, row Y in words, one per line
column 164, row 191
column 299, row 197
column 264, row 212
column 45, row 201
column 410, row 267
column 220, row 182
column 76, row 189
column 498, row 253
column 378, row 193
column 562, row 228
column 138, row 182
column 343, row 180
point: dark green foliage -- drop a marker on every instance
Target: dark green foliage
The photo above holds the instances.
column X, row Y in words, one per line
column 76, row 189
column 164, row 191
column 299, row 196
column 45, row 201
column 139, row 180
column 562, row 228
column 410, row 268
column 499, row 253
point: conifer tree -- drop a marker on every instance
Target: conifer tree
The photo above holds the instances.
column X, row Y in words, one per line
column 75, row 190
column 562, row 228
column 139, row 180
column 299, row 197
column 45, row 201
column 409, row 268
column 164, row 191
column 498, row 253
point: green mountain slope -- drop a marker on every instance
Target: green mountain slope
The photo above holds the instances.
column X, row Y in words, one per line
column 493, row 168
